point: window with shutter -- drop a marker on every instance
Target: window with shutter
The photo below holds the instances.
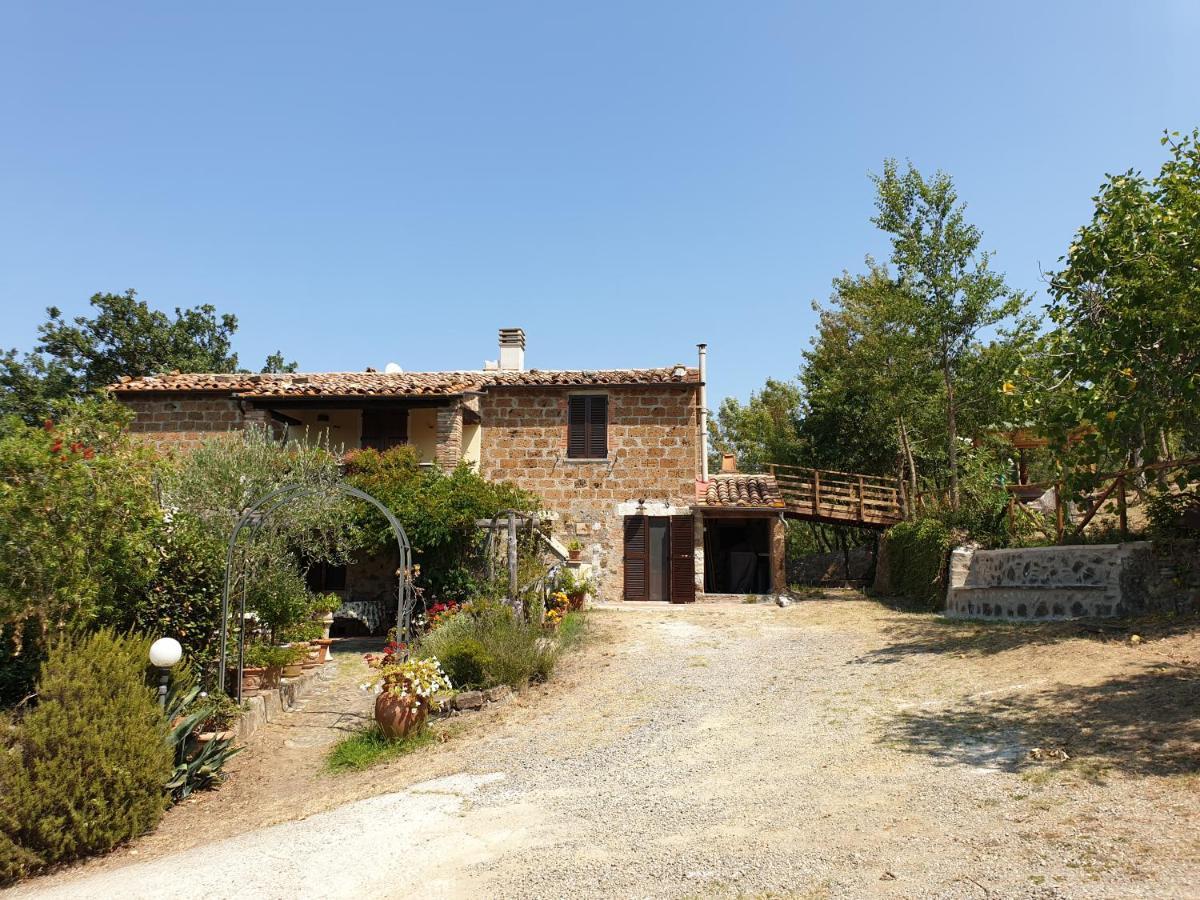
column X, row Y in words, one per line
column 384, row 428
column 587, row 427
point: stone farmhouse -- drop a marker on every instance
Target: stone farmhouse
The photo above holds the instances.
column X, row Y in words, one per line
column 618, row 456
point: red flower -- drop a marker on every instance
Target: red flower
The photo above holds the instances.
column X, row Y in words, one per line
column 56, row 446
column 76, row 447
column 89, row 453
column 48, row 424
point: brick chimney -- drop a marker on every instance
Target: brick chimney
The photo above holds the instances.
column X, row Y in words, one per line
column 728, row 463
column 512, row 349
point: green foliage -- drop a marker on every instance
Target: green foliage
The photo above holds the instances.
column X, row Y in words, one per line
column 367, row 747
column 207, row 491
column 489, row 646
column 198, row 765
column 438, row 511
column 917, row 554
column 124, row 336
column 93, row 754
column 765, row 430
column 1174, row 514
column 940, row 266
column 268, row 656
column 1124, row 356
column 78, row 514
column 22, row 650
column 182, row 598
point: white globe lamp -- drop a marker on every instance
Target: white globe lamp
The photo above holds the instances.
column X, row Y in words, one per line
column 165, row 654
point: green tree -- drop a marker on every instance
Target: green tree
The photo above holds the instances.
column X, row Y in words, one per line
column 1124, row 356
column 765, row 430
column 938, row 262
column 124, row 337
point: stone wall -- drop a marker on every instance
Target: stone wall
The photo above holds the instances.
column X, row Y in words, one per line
column 1071, row 582
column 652, row 456
column 182, row 422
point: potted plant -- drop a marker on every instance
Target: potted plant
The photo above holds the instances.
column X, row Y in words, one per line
column 262, row 667
column 407, row 690
column 576, row 587
column 323, row 609
column 293, row 659
column 575, row 550
column 306, row 634
column 222, row 715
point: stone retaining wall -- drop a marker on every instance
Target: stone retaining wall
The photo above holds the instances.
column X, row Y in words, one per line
column 1072, row 582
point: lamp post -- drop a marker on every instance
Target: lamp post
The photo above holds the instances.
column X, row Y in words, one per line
column 165, row 653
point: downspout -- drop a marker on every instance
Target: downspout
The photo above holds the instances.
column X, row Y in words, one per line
column 703, row 348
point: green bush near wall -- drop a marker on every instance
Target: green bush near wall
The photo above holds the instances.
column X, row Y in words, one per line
column 917, row 555
column 84, row 769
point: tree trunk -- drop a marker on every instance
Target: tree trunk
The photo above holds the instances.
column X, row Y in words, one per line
column 951, row 434
column 909, row 463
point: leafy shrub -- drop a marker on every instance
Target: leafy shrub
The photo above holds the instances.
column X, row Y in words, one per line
column 20, row 659
column 917, row 555
column 438, row 511
column 77, row 512
column 1174, row 515
column 89, row 762
column 488, row 645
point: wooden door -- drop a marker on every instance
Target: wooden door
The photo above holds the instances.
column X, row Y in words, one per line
column 637, row 541
column 683, row 560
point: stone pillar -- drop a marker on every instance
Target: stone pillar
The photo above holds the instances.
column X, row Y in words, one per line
column 778, row 555
column 449, row 435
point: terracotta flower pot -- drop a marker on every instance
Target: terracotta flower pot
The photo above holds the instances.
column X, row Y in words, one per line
column 574, row 555
column 205, row 736
column 255, row 679
column 396, row 718
column 293, row 670
column 577, row 600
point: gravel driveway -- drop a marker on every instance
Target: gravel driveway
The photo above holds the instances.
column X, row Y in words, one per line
column 830, row 749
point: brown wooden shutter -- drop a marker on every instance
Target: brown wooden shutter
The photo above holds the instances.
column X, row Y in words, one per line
column 577, row 416
column 597, row 427
column 636, row 561
column 683, row 560
column 587, row 427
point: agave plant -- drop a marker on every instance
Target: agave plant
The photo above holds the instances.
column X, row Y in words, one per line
column 198, row 764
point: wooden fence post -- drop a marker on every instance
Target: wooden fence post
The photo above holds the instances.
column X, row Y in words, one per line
column 512, row 557
column 860, row 503
column 816, row 503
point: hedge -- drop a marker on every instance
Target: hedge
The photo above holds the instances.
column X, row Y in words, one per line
column 917, row 555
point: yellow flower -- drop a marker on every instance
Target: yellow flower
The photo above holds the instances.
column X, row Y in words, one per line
column 1008, row 387
column 1111, row 416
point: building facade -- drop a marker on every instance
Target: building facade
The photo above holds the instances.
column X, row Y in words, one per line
column 617, row 456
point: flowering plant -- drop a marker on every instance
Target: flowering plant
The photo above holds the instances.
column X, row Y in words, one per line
column 556, row 607
column 413, row 682
column 438, row 613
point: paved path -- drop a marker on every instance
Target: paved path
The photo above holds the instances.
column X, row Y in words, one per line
column 830, row 749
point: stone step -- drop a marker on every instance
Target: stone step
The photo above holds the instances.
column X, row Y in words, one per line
column 1042, row 602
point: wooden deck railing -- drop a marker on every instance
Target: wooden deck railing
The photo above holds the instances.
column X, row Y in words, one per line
column 1116, row 490
column 844, row 498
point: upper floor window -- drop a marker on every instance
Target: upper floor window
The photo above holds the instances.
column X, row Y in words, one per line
column 587, row 426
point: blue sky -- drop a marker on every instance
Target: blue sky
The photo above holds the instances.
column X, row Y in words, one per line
column 362, row 183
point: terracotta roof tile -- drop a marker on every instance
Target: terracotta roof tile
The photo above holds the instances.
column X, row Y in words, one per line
column 387, row 384
column 737, row 491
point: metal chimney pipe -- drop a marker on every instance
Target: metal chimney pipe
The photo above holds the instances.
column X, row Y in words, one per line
column 703, row 348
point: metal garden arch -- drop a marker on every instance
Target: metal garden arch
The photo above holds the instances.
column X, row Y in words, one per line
column 257, row 513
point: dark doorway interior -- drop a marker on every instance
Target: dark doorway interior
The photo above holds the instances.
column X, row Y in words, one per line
column 660, row 559
column 737, row 556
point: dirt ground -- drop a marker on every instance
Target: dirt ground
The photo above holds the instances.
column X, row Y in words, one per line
column 834, row 748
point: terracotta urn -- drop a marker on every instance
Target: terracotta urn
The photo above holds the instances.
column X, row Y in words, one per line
column 323, row 645
column 396, row 718
column 255, row 679
column 575, row 555
column 577, row 599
